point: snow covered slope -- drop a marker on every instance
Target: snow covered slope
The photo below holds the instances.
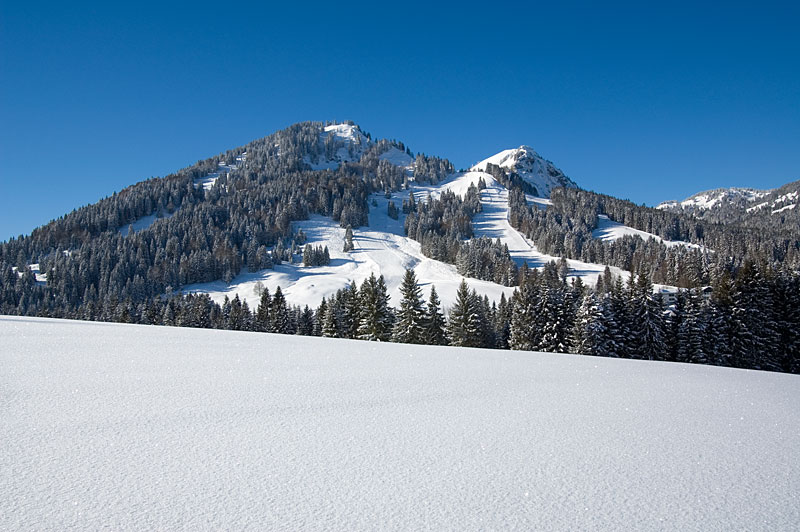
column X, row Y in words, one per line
column 383, row 249
column 531, row 167
column 125, row 427
column 609, row 230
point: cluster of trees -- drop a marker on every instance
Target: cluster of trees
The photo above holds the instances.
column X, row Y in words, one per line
column 441, row 224
column 751, row 319
column 483, row 258
column 316, row 255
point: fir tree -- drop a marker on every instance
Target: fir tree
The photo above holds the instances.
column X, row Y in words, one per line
column 408, row 327
column 435, row 324
column 464, row 327
column 376, row 317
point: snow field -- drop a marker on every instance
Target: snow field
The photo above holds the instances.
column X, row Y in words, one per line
column 140, row 427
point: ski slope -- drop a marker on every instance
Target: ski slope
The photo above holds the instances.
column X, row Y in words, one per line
column 129, row 427
column 383, row 249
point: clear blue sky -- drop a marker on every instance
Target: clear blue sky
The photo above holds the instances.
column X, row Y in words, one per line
column 643, row 102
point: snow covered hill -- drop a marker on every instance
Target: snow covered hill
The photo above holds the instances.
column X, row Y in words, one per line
column 531, row 167
column 383, row 249
column 125, row 427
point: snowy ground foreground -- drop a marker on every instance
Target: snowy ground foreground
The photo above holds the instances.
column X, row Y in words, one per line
column 154, row 428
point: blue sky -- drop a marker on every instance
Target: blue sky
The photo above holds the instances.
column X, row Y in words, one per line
column 642, row 102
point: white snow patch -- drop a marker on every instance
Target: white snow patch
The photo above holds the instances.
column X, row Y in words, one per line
column 397, row 157
column 208, row 181
column 144, row 222
column 784, row 208
column 41, row 278
column 131, row 427
column 609, row 230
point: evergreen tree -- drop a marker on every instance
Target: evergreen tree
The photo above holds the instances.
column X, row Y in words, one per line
column 376, row 317
column 279, row 314
column 435, row 324
column 464, row 326
column 589, row 335
column 262, row 318
column 408, row 327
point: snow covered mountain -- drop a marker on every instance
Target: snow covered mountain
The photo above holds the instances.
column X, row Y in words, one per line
column 531, row 167
column 726, row 204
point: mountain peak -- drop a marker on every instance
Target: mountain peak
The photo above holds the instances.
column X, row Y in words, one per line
column 531, row 167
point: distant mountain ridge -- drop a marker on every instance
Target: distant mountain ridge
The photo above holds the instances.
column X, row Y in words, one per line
column 777, row 206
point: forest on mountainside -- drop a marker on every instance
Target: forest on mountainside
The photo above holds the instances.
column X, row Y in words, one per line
column 244, row 220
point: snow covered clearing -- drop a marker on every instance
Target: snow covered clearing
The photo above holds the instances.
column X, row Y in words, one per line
column 208, row 181
column 353, row 141
column 41, row 278
column 398, row 158
column 109, row 426
column 143, row 223
column 609, row 230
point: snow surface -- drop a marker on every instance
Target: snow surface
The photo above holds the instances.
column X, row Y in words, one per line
column 143, row 223
column 41, row 278
column 785, row 208
column 121, row 427
column 609, row 230
column 398, row 157
column 208, row 181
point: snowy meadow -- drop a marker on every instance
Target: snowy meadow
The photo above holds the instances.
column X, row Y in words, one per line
column 128, row 427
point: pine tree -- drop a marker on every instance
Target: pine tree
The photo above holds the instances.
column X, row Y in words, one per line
column 348, row 239
column 524, row 302
column 351, row 315
column 330, row 328
column 408, row 327
column 435, row 324
column 305, row 322
column 464, row 327
column 589, row 332
column 279, row 314
column 262, row 320
column 376, row 318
